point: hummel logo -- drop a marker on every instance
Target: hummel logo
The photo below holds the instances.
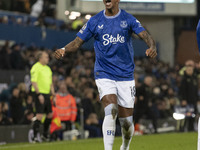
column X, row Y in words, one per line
column 100, row 27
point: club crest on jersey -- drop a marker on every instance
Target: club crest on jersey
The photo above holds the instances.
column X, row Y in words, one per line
column 123, row 24
column 100, row 27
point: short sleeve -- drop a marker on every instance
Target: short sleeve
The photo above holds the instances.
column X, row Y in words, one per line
column 136, row 26
column 34, row 74
column 85, row 32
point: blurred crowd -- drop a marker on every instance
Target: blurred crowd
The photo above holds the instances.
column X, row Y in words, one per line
column 161, row 90
column 39, row 13
column 47, row 7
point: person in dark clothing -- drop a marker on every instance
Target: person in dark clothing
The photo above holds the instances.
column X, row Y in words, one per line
column 189, row 86
column 29, row 103
column 189, row 92
column 92, row 125
column 4, row 120
column 91, row 119
column 143, row 105
column 16, row 107
column 16, row 58
column 86, row 103
column 5, row 52
column 27, row 119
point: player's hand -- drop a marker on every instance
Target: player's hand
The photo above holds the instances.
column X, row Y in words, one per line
column 151, row 53
column 59, row 53
column 41, row 99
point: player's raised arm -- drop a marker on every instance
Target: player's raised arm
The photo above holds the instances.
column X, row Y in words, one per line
column 152, row 51
column 71, row 47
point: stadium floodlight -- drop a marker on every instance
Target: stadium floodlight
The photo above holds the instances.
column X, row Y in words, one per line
column 72, row 17
column 88, row 17
column 75, row 13
column 66, row 12
column 178, row 116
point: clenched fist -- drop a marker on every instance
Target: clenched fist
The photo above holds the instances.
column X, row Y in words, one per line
column 59, row 53
column 151, row 53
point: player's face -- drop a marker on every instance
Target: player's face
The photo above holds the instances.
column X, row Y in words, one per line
column 109, row 4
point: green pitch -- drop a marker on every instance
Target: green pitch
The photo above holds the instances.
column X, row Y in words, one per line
column 171, row 141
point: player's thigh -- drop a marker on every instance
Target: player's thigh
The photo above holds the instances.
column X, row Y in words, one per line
column 107, row 91
column 109, row 99
column 126, row 97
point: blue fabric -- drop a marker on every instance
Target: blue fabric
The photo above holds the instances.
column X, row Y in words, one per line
column 198, row 35
column 113, row 44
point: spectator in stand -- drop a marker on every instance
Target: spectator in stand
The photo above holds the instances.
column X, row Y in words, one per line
column 144, row 104
column 16, row 107
column 70, row 85
column 189, row 91
column 37, row 8
column 4, row 120
column 86, row 102
column 27, row 119
column 98, row 108
column 16, row 57
column 172, row 100
column 5, row 20
column 92, row 125
column 187, row 63
column 29, row 104
column 186, row 123
column 5, row 52
column 23, row 93
column 66, row 106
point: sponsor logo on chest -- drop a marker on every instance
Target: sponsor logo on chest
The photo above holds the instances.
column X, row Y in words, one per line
column 112, row 39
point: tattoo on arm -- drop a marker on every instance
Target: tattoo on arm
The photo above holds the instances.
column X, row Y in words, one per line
column 148, row 39
column 74, row 45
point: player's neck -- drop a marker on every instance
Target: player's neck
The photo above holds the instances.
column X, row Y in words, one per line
column 42, row 63
column 112, row 12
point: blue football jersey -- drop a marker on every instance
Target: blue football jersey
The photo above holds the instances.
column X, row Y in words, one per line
column 113, row 44
column 198, row 35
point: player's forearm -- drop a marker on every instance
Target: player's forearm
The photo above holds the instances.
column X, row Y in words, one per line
column 74, row 45
column 34, row 84
column 148, row 39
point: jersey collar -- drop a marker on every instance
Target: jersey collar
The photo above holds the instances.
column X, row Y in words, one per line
column 111, row 17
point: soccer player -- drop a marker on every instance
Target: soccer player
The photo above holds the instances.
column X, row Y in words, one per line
column 112, row 29
column 198, row 40
column 42, row 87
